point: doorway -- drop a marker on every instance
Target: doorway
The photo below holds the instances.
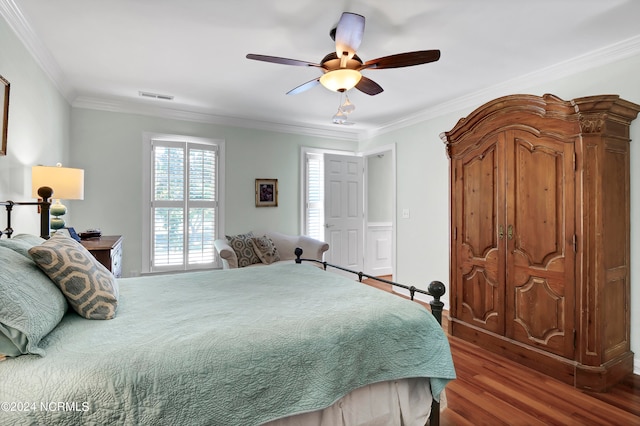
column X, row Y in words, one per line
column 378, row 197
column 380, row 208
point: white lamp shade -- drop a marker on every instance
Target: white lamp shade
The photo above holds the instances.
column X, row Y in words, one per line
column 341, row 79
column 67, row 183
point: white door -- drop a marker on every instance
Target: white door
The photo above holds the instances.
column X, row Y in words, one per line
column 343, row 210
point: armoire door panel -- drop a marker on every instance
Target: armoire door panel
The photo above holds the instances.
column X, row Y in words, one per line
column 538, row 192
column 540, row 260
column 540, row 312
column 479, row 257
column 481, row 300
column 479, row 191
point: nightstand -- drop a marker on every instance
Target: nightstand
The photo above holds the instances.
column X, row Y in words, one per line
column 108, row 250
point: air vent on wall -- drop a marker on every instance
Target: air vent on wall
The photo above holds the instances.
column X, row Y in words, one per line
column 156, row 96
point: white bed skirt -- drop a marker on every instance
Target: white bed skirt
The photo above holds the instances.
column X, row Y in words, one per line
column 401, row 402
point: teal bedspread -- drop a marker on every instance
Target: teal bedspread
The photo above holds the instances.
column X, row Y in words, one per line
column 233, row 347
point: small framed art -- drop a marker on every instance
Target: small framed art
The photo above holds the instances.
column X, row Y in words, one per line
column 266, row 192
column 4, row 114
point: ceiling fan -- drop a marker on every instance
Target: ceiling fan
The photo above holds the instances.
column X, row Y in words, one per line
column 342, row 69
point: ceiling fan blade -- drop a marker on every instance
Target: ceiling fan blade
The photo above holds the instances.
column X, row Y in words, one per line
column 368, row 86
column 283, row 61
column 403, row 60
column 304, row 87
column 349, row 34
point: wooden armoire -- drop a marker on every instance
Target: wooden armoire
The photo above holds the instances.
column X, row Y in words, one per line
column 540, row 241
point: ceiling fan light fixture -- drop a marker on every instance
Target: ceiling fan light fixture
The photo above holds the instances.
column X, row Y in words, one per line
column 339, row 118
column 340, row 80
column 347, row 107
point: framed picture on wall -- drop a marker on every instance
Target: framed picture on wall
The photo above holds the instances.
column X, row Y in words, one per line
column 266, row 192
column 4, row 115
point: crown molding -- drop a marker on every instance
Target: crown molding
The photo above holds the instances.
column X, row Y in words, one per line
column 25, row 33
column 113, row 105
column 14, row 17
column 11, row 13
column 603, row 56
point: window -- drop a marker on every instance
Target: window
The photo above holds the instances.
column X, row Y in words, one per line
column 314, row 196
column 184, row 203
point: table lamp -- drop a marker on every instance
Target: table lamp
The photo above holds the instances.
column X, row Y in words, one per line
column 67, row 184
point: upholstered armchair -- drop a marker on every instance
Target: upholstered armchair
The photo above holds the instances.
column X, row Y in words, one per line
column 253, row 249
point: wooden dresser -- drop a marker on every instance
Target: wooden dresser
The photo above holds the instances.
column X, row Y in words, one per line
column 540, row 240
column 108, row 251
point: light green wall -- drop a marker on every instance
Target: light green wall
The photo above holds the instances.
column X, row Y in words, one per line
column 38, row 131
column 43, row 128
column 422, row 180
column 421, row 187
column 380, row 188
column 109, row 147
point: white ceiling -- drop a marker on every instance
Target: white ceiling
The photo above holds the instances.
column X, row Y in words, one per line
column 101, row 54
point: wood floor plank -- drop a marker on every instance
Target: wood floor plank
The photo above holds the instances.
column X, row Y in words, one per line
column 625, row 396
column 534, row 393
column 467, row 404
column 450, row 417
column 500, row 407
column 492, row 390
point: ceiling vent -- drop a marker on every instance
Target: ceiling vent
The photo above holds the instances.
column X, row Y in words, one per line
column 155, row 96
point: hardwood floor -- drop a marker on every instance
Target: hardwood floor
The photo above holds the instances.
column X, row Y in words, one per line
column 492, row 390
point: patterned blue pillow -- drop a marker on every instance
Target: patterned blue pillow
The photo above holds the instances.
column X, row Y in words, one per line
column 90, row 289
column 241, row 244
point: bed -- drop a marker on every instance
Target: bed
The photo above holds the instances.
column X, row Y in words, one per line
column 283, row 345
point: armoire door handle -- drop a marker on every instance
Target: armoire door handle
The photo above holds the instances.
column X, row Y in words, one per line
column 510, row 232
column 500, row 232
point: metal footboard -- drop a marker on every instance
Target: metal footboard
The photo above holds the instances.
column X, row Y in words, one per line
column 45, row 192
column 436, row 289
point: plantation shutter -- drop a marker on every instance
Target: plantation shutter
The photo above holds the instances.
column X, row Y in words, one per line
column 184, row 205
column 314, row 212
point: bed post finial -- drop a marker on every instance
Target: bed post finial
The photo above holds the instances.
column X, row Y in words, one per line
column 298, row 253
column 9, row 230
column 437, row 290
column 45, row 193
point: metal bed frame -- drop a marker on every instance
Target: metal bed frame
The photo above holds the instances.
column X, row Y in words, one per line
column 436, row 289
column 45, row 193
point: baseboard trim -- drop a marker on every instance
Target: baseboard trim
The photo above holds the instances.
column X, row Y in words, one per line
column 636, row 364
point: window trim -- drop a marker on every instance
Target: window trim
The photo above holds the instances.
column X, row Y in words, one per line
column 147, row 184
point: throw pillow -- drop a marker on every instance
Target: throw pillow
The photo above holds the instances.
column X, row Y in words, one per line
column 91, row 290
column 241, row 244
column 265, row 249
column 21, row 243
column 30, row 305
